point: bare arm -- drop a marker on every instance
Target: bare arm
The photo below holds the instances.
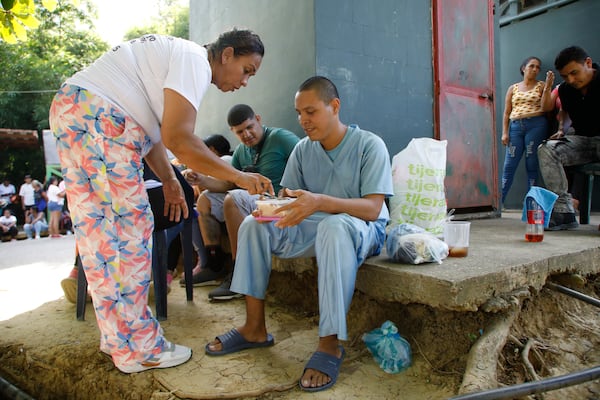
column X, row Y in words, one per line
column 547, row 98
column 38, row 217
column 205, row 182
column 562, row 115
column 177, row 131
column 507, row 111
column 366, row 208
column 175, row 204
column 9, row 224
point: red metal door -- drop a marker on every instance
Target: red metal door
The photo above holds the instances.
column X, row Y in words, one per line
column 464, row 101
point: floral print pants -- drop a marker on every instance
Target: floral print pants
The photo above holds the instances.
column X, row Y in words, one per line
column 100, row 150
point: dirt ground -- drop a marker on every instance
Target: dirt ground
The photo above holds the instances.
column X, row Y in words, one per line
column 49, row 355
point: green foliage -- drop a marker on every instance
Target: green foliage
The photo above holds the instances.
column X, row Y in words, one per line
column 33, row 70
column 173, row 20
column 63, row 43
column 17, row 16
column 19, row 162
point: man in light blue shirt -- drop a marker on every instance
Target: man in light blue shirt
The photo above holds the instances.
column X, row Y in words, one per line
column 340, row 176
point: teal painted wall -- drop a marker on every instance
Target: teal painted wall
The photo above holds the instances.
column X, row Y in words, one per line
column 379, row 56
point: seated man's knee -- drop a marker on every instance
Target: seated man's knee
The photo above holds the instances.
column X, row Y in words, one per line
column 229, row 203
column 334, row 225
column 203, row 204
column 544, row 150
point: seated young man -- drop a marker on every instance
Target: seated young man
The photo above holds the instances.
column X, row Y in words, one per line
column 8, row 225
column 36, row 223
column 340, row 176
column 580, row 98
column 262, row 149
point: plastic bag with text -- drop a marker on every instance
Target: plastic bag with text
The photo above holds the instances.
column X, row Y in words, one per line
column 408, row 243
column 390, row 350
column 418, row 174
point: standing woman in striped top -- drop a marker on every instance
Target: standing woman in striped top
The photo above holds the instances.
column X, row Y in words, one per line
column 525, row 125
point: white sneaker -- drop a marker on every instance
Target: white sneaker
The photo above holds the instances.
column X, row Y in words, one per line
column 37, row 236
column 173, row 356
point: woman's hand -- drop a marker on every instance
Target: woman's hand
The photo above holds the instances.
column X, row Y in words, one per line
column 175, row 204
column 254, row 183
column 505, row 138
column 549, row 81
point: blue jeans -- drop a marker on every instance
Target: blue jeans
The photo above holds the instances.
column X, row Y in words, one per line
column 525, row 135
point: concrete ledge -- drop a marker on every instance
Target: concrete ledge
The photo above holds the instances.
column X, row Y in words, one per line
column 500, row 263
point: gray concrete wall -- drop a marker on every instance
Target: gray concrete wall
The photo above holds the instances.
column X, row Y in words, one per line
column 286, row 28
column 379, row 56
column 543, row 36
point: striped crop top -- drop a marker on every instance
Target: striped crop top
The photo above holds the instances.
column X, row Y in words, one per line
column 526, row 103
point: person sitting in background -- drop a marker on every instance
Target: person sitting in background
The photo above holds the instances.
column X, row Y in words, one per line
column 7, row 193
column 580, row 98
column 8, row 223
column 562, row 126
column 35, row 222
column 262, row 149
column 524, row 125
column 65, row 222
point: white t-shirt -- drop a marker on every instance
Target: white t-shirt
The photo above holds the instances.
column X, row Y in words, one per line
column 134, row 74
column 53, row 191
column 7, row 191
column 8, row 220
column 26, row 191
column 62, row 187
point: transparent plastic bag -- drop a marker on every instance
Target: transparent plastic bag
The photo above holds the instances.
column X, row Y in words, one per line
column 408, row 243
column 390, row 350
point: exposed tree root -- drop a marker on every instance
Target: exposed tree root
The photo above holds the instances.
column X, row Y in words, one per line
column 528, row 366
column 482, row 362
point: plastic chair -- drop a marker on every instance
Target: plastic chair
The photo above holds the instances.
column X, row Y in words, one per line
column 160, row 248
column 589, row 172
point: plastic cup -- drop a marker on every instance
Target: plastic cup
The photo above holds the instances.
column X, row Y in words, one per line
column 456, row 236
column 534, row 232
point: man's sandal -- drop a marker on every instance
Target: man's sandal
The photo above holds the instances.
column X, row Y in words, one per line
column 325, row 363
column 233, row 341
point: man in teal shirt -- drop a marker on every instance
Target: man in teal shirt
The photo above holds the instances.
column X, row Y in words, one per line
column 264, row 150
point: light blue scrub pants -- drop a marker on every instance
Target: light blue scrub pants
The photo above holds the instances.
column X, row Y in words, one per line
column 341, row 244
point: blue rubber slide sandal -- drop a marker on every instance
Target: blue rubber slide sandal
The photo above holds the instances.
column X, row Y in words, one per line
column 325, row 363
column 233, row 341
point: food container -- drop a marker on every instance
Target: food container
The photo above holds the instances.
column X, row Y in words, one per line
column 267, row 207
